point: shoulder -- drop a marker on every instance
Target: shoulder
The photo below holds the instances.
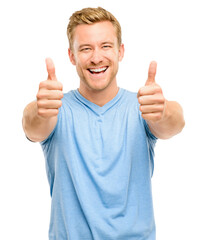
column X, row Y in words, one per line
column 70, row 95
column 70, row 98
column 129, row 98
column 129, row 94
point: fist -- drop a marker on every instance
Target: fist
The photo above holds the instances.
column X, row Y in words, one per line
column 150, row 97
column 49, row 94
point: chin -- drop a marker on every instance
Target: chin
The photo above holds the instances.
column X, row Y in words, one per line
column 98, row 87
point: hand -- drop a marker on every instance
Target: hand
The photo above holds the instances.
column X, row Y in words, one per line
column 150, row 97
column 49, row 94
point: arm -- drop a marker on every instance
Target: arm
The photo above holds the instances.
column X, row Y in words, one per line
column 170, row 124
column 40, row 116
column 36, row 127
column 164, row 118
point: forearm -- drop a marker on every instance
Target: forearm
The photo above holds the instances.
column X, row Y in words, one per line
column 35, row 127
column 171, row 123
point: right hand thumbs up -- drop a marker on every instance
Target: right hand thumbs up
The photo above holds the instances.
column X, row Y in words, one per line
column 50, row 93
column 50, row 69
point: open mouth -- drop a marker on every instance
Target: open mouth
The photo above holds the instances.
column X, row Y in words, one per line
column 97, row 70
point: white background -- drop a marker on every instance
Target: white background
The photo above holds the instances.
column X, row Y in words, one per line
column 30, row 31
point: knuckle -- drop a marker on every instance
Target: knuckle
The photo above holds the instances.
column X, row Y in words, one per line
column 144, row 116
column 60, row 85
column 42, row 84
column 158, row 116
column 55, row 85
column 157, row 88
column 59, row 104
column 56, row 112
column 40, row 95
column 41, row 112
column 140, row 100
column 162, row 99
column 140, row 92
column 159, row 108
column 162, row 108
column 39, row 104
column 62, row 95
column 59, row 95
column 47, row 113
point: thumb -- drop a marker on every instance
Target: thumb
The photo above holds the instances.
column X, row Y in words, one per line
column 151, row 73
column 50, row 69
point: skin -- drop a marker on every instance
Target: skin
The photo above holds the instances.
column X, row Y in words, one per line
column 165, row 118
column 40, row 116
column 94, row 47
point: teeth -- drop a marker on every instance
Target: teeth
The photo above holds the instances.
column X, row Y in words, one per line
column 98, row 69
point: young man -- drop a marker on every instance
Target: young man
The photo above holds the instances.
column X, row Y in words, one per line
column 99, row 140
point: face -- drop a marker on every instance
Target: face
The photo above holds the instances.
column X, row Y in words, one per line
column 96, row 55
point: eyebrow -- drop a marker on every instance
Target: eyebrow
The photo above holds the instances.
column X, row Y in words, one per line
column 84, row 45
column 111, row 43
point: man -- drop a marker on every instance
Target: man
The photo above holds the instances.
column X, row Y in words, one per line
column 99, row 140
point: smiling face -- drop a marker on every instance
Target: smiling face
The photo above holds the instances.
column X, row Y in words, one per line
column 96, row 55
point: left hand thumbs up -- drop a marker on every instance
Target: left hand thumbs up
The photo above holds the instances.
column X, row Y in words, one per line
column 150, row 97
column 151, row 73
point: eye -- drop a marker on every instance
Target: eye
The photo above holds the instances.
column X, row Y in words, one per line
column 85, row 49
column 106, row 46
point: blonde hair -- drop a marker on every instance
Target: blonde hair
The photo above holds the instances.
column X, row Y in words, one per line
column 91, row 16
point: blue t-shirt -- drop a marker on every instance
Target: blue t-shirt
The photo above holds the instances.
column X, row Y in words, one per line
column 99, row 163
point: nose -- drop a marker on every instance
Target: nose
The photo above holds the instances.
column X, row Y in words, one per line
column 96, row 57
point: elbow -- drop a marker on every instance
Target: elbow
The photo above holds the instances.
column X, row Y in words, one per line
column 27, row 132
column 182, row 125
column 177, row 122
column 174, row 131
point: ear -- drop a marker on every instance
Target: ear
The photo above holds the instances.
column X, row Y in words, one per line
column 71, row 56
column 121, row 52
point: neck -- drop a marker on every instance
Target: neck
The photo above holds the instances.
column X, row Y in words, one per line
column 99, row 97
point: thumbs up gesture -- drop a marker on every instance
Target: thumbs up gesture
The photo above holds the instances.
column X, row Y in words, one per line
column 49, row 94
column 150, row 97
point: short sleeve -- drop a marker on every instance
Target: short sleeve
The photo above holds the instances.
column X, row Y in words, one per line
column 48, row 147
column 151, row 141
column 48, row 139
column 151, row 138
column 45, row 144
